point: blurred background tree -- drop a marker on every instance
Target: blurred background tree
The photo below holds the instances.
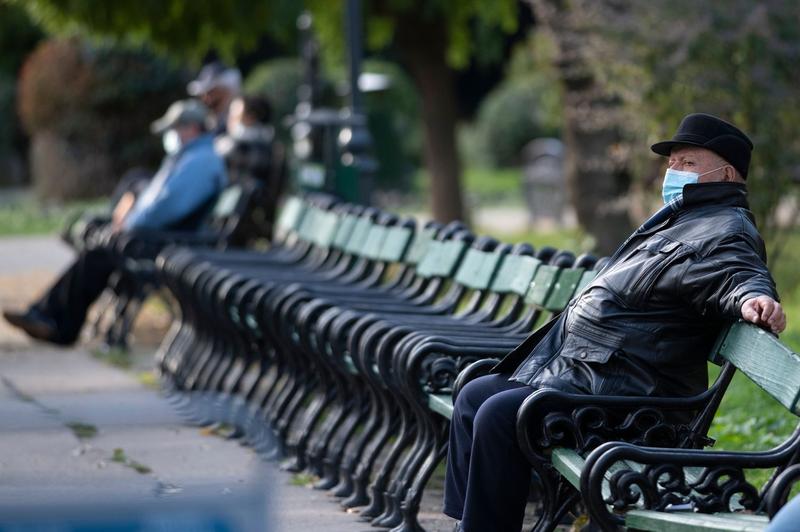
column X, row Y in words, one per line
column 631, row 70
column 431, row 38
column 737, row 59
column 607, row 76
column 18, row 36
column 88, row 109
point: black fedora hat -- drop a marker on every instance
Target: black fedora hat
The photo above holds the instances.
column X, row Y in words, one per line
column 711, row 133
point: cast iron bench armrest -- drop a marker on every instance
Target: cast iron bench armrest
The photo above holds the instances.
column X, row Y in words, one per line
column 717, row 487
column 560, row 419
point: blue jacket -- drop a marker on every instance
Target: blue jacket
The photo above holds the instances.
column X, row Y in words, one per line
column 185, row 182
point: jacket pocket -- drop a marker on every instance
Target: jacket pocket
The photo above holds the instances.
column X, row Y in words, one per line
column 577, row 347
column 663, row 253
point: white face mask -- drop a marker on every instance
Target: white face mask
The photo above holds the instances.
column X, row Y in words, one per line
column 171, row 142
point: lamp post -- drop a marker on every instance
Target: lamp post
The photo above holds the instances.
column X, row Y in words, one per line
column 355, row 140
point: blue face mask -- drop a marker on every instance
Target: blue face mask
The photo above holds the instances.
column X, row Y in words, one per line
column 674, row 180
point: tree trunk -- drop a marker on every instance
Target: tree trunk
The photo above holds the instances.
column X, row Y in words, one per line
column 423, row 47
column 597, row 173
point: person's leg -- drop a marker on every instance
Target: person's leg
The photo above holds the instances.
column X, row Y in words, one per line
column 69, row 299
column 499, row 474
column 788, row 518
column 474, row 394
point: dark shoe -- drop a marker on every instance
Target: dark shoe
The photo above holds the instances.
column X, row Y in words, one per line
column 34, row 323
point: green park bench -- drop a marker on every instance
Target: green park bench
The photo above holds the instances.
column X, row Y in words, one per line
column 688, row 489
column 545, row 287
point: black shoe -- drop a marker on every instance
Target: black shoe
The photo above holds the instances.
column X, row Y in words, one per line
column 36, row 324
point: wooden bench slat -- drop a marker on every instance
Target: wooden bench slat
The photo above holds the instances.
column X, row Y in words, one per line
column 569, row 463
column 441, row 404
column 743, row 516
column 564, row 289
column 689, row 521
column 395, row 244
column 542, row 284
column 768, row 363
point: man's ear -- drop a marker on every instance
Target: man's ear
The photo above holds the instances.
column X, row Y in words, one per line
column 730, row 174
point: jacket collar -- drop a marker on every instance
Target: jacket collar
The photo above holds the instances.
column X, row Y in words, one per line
column 721, row 194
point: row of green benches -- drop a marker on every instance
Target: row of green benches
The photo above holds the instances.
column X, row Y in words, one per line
column 347, row 342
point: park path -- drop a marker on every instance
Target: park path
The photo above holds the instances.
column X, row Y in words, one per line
column 74, row 428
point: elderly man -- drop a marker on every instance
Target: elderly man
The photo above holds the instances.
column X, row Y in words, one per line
column 217, row 86
column 641, row 328
column 190, row 177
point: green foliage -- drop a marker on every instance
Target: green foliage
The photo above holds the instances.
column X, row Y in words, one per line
column 734, row 58
column 513, row 114
column 474, row 28
column 18, row 36
column 527, row 105
column 184, row 29
column 120, row 457
column 573, row 239
column 277, row 80
column 89, row 109
column 7, row 118
column 29, row 217
column 486, row 185
column 82, row 431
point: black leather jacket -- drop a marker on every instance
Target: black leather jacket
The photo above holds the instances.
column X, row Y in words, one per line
column 646, row 324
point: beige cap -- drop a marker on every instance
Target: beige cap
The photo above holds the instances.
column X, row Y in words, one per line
column 182, row 112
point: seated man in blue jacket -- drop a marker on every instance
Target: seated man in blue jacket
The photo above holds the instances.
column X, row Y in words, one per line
column 189, row 179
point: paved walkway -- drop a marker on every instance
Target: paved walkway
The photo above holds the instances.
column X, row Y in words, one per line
column 75, row 430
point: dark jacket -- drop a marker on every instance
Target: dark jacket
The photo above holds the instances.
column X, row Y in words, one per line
column 647, row 322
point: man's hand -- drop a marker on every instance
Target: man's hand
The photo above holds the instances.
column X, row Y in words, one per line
column 764, row 311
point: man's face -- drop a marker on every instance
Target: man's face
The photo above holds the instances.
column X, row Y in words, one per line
column 235, row 114
column 700, row 161
column 217, row 99
column 188, row 132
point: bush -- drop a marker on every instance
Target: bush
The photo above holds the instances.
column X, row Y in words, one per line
column 277, row 81
column 88, row 110
column 513, row 114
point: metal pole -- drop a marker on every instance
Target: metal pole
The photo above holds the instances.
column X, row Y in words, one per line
column 354, row 27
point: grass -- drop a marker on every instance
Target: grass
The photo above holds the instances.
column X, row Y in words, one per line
column 148, row 379
column 485, row 186
column 26, row 216
column 303, row 479
column 573, row 239
column 116, row 356
column 82, row 431
column 120, row 457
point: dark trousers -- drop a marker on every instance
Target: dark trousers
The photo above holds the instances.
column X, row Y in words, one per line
column 488, row 477
column 69, row 299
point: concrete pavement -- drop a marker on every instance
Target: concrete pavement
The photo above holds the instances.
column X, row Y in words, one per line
column 75, row 429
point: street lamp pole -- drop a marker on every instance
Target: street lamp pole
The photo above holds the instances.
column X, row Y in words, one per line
column 355, row 140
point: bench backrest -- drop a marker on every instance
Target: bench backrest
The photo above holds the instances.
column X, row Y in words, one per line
column 419, row 246
column 478, row 267
column 764, row 359
column 396, row 243
column 515, row 274
column 441, row 258
column 290, row 217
